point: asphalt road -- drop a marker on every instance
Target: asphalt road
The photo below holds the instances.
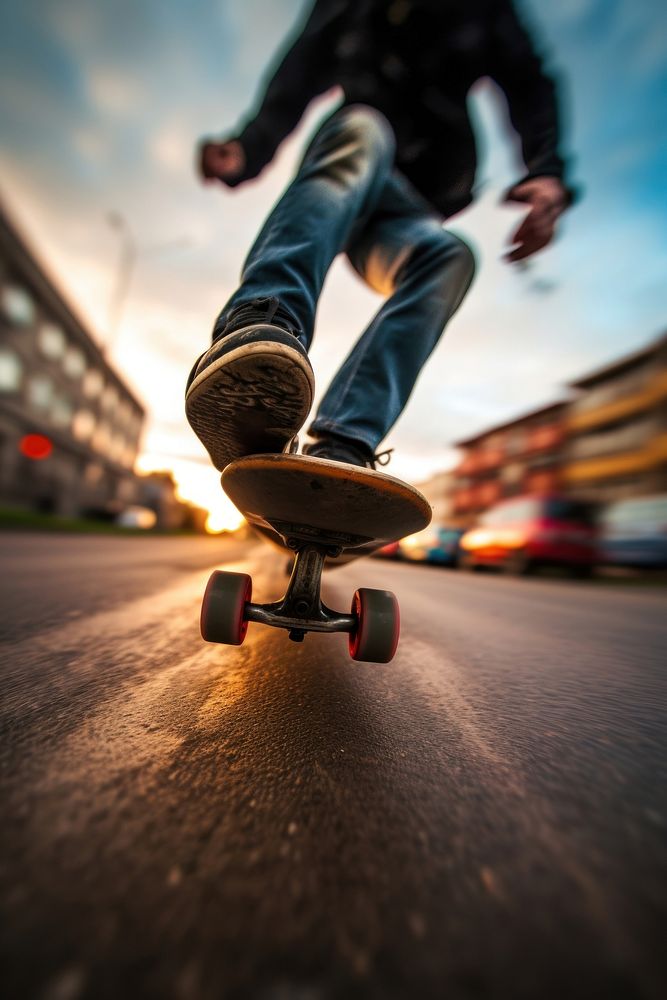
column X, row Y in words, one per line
column 485, row 817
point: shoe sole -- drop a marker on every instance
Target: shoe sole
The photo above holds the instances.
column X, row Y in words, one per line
column 253, row 399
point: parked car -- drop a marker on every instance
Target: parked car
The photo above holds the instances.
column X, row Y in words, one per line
column 438, row 545
column 137, row 517
column 388, row 551
column 633, row 533
column 526, row 532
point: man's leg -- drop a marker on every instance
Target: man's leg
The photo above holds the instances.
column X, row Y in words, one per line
column 404, row 251
column 252, row 390
column 337, row 187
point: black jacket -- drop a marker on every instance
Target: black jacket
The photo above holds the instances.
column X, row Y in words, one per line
column 415, row 61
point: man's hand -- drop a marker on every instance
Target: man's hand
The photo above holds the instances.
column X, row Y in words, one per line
column 221, row 161
column 547, row 199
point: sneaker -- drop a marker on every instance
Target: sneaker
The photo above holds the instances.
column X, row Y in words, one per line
column 339, row 449
column 252, row 390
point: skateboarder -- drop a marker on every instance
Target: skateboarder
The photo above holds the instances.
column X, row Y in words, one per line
column 376, row 182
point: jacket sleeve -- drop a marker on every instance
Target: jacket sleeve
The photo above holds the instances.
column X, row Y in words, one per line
column 306, row 70
column 531, row 93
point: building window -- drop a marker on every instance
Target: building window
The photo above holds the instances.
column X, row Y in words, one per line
column 17, row 305
column 40, row 392
column 94, row 474
column 74, row 363
column 515, row 441
column 11, row 371
column 512, row 473
column 117, row 448
column 124, row 413
column 101, row 438
column 61, row 412
column 83, row 425
column 109, row 398
column 51, row 340
column 93, row 383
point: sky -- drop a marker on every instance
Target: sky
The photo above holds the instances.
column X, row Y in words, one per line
column 102, row 104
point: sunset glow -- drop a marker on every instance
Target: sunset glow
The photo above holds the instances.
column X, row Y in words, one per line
column 219, row 520
column 198, row 484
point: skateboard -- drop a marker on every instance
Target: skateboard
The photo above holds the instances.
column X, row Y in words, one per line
column 318, row 511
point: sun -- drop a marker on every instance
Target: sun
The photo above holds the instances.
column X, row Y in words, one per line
column 198, row 484
column 219, row 520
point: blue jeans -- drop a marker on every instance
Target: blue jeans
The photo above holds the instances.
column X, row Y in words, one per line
column 348, row 197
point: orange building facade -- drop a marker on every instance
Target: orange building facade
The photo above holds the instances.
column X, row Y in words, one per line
column 522, row 456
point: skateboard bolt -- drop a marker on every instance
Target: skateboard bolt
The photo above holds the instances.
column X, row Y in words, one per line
column 301, row 607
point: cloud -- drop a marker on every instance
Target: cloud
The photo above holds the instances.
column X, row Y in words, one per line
column 570, row 12
column 651, row 51
column 91, row 143
column 74, row 23
column 115, row 92
column 170, row 147
column 254, row 50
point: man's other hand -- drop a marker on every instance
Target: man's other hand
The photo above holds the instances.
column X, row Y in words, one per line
column 221, row 161
column 547, row 199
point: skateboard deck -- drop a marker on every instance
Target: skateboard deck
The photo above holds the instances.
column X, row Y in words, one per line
column 319, row 511
column 352, row 509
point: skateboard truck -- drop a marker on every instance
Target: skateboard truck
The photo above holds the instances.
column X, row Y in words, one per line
column 372, row 625
column 303, row 599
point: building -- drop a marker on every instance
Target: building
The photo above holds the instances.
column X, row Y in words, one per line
column 70, row 427
column 524, row 455
column 617, row 428
column 607, row 442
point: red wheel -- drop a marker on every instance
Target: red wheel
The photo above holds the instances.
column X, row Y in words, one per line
column 378, row 626
column 223, row 608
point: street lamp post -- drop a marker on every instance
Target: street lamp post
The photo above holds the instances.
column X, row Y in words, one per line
column 126, row 262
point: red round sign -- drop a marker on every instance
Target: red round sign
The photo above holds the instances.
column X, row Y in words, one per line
column 36, row 446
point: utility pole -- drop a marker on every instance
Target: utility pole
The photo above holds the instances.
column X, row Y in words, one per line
column 126, row 262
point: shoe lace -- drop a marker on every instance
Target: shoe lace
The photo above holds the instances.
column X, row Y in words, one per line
column 383, row 457
column 263, row 311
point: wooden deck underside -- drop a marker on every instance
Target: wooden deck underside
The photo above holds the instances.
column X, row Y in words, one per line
column 331, row 503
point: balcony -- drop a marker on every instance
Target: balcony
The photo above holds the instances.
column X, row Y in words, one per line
column 584, row 417
column 547, row 437
column 480, row 461
column 652, row 455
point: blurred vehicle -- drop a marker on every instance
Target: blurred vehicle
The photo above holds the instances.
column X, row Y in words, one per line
column 389, row 551
column 137, row 517
column 526, row 532
column 634, row 533
column 439, row 545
